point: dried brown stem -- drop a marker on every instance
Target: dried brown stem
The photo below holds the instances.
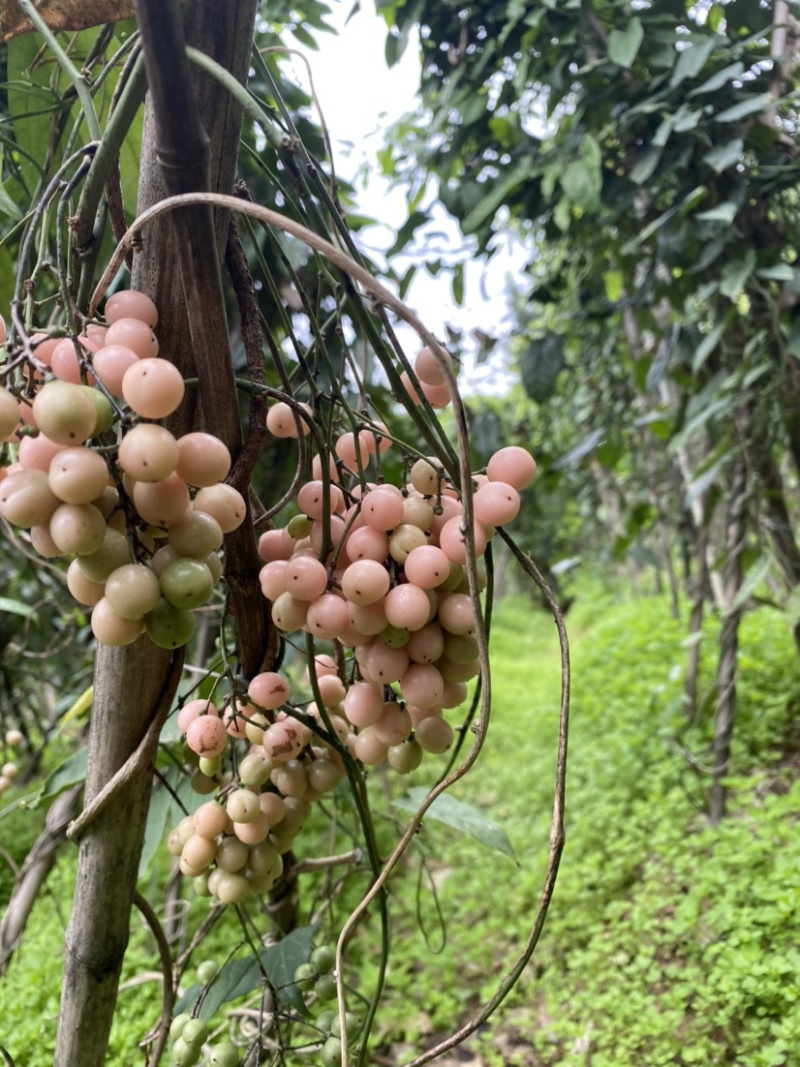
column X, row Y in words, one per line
column 556, row 827
column 168, row 994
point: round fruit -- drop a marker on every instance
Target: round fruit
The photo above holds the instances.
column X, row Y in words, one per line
column 149, row 453
column 135, row 334
column 207, row 737
column 77, row 475
column 325, row 987
column 207, row 971
column 153, row 388
column 64, row 413
column 186, row 583
column 331, row 1055
column 110, row 628
column 168, row 626
column 224, row 503
column 323, row 959
column 130, row 303
column 132, row 590
column 351, row 1024
column 304, row 976
column 203, row 460
column 225, row 1054
column 177, row 1025
column 9, row 413
column 26, row 499
column 512, row 465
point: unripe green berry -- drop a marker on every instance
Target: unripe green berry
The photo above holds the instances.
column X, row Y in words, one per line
column 210, row 765
column 195, row 1032
column 331, row 1055
column 207, row 971
column 184, row 1055
column 325, row 988
column 350, row 1021
column 304, row 976
column 225, row 1054
column 323, row 959
column 299, row 527
column 177, row 1025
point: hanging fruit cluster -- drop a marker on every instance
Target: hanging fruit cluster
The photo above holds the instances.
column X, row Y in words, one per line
column 374, row 571
column 97, row 478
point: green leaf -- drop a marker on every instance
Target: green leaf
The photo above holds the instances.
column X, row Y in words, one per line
column 692, row 199
column 458, row 285
column 237, row 978
column 614, row 285
column 460, row 816
column 645, row 165
column 754, row 577
column 29, row 102
column 623, row 45
column 704, row 481
column 540, row 366
column 779, row 272
column 407, row 231
column 722, row 156
column 747, row 107
column 16, row 607
column 496, row 196
column 582, row 179
column 562, row 214
column 8, row 207
column 792, row 607
column 794, row 339
column 707, row 346
column 650, row 229
column 716, row 81
column 582, row 449
column 724, row 212
column 163, row 809
column 735, row 275
column 7, row 277
column 692, row 59
column 72, row 771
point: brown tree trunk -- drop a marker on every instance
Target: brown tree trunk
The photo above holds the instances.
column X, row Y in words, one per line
column 699, row 597
column 736, row 532
column 136, row 683
column 777, row 519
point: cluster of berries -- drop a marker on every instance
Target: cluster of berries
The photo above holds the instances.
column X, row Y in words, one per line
column 97, row 478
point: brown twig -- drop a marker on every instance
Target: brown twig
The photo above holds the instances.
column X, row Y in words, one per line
column 253, row 341
column 556, row 827
column 168, row 995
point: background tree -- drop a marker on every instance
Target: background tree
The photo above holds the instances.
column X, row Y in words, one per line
column 650, row 159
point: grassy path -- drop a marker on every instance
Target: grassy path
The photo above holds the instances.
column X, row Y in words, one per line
column 667, row 942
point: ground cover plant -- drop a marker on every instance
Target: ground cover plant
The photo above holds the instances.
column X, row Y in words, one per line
column 670, row 941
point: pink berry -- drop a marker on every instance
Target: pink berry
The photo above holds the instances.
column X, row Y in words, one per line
column 513, row 465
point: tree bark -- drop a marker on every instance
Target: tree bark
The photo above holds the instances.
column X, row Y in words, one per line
column 135, row 683
column 699, row 596
column 736, row 531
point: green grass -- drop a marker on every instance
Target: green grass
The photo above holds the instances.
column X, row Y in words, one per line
column 668, row 942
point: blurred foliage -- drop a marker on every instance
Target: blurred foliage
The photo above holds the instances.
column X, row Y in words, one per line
column 648, row 158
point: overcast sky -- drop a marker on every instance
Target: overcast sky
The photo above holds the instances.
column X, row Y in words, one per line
column 360, row 98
